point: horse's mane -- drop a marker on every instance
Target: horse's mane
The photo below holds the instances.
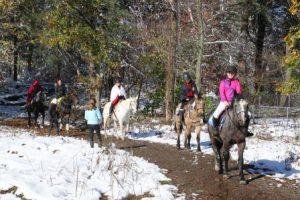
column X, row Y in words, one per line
column 128, row 101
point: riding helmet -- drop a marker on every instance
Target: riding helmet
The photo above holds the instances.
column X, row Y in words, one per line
column 118, row 80
column 36, row 82
column 186, row 77
column 231, row 69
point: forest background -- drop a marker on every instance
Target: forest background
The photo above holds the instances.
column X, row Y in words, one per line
column 150, row 43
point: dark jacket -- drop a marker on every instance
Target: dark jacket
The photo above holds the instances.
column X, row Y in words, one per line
column 188, row 91
column 60, row 91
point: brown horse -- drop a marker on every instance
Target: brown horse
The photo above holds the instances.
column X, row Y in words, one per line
column 37, row 107
column 193, row 120
column 62, row 111
column 233, row 131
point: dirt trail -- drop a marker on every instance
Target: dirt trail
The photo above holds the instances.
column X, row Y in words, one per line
column 193, row 173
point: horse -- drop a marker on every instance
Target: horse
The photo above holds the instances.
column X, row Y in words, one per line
column 193, row 119
column 62, row 111
column 121, row 114
column 233, row 130
column 36, row 107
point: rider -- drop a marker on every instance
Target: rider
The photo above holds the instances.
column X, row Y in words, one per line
column 60, row 91
column 117, row 93
column 34, row 88
column 229, row 88
column 188, row 92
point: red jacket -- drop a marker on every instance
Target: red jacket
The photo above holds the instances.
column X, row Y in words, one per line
column 33, row 89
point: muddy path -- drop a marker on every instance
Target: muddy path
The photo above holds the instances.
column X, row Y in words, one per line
column 193, row 172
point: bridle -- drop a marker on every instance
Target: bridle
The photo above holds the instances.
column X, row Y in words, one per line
column 237, row 114
column 197, row 108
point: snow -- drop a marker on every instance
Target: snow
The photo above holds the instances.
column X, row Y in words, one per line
column 273, row 150
column 67, row 168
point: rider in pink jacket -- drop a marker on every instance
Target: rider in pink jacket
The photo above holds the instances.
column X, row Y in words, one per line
column 229, row 87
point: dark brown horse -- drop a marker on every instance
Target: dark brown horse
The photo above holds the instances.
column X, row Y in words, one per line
column 193, row 120
column 62, row 111
column 233, row 131
column 37, row 107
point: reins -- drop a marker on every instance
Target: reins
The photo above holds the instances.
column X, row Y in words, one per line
column 232, row 120
column 194, row 110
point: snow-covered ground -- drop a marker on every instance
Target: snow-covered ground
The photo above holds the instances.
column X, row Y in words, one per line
column 273, row 150
column 67, row 168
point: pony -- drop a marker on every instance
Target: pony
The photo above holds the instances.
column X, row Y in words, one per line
column 37, row 107
column 233, row 130
column 193, row 120
column 62, row 112
column 121, row 114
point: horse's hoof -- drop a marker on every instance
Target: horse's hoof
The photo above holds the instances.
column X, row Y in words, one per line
column 178, row 147
column 243, row 182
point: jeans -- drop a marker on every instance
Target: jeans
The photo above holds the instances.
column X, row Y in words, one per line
column 94, row 128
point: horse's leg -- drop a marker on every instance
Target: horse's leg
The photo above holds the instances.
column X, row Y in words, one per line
column 115, row 128
column 178, row 128
column 50, row 127
column 217, row 152
column 105, row 126
column 57, row 125
column 187, row 138
column 43, row 118
column 36, row 115
column 29, row 118
column 121, row 129
column 241, row 148
column 67, row 123
column 61, row 121
column 127, row 127
column 225, row 155
column 197, row 131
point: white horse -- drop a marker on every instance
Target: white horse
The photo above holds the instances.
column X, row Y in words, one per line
column 121, row 114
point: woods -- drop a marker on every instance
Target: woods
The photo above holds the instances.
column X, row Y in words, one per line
column 151, row 43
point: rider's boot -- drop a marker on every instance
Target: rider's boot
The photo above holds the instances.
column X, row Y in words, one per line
column 215, row 123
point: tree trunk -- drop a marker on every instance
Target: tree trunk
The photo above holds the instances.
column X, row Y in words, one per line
column 15, row 42
column 29, row 58
column 259, row 46
column 170, row 76
column 200, row 43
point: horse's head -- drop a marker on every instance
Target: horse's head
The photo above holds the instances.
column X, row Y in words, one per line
column 199, row 106
column 133, row 104
column 240, row 108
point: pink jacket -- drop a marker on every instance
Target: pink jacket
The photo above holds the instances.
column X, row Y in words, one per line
column 228, row 88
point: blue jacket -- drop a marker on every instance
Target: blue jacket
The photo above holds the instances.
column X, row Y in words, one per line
column 93, row 117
